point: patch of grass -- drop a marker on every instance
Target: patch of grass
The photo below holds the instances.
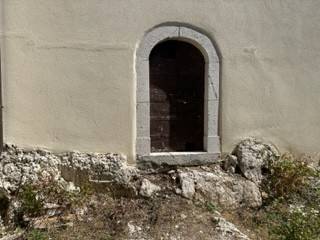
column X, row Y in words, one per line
column 211, row 207
column 288, row 176
column 296, row 224
column 293, row 208
column 31, row 204
column 36, row 235
column 32, row 199
column 55, row 192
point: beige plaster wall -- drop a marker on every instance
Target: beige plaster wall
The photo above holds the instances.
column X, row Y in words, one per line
column 69, row 80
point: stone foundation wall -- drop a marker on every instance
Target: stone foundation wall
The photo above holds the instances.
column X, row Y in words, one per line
column 19, row 167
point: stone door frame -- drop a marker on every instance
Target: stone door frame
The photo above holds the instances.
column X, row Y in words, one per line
column 211, row 98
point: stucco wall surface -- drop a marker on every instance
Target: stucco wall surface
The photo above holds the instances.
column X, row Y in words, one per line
column 69, row 78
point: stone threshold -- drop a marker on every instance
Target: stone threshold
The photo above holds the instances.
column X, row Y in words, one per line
column 179, row 158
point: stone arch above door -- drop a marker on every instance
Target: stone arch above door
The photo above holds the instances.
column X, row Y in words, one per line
column 211, row 98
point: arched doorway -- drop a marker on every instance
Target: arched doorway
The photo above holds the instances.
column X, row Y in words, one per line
column 176, row 147
column 177, row 71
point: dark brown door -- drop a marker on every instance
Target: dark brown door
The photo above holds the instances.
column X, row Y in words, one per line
column 176, row 97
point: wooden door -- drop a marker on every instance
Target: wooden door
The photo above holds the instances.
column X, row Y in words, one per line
column 176, row 97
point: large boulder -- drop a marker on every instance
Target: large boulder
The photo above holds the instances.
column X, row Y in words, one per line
column 227, row 190
column 252, row 156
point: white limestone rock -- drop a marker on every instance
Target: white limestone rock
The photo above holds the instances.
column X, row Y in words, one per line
column 19, row 167
column 227, row 190
column 227, row 231
column 147, row 188
column 100, row 167
column 230, row 163
column 187, row 185
column 253, row 155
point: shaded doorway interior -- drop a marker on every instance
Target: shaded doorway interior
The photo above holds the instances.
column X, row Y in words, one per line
column 177, row 73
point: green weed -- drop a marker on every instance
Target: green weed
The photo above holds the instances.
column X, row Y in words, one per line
column 293, row 207
column 296, row 224
column 37, row 235
column 31, row 204
column 287, row 176
column 211, row 207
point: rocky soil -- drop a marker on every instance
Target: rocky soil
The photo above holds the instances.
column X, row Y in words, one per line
column 98, row 196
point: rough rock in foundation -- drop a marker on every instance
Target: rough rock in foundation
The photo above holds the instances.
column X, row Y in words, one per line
column 19, row 167
column 100, row 167
column 252, row 156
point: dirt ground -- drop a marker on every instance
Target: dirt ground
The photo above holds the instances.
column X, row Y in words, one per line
column 104, row 215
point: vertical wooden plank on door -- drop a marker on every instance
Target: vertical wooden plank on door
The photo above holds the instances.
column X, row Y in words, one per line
column 176, row 97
